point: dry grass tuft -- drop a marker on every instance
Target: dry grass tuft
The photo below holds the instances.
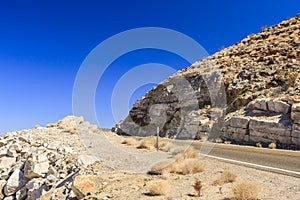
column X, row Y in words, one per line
column 191, row 166
column 272, row 145
column 198, row 186
column 130, row 141
column 225, row 177
column 187, row 163
column 150, row 143
column 246, row 191
column 158, row 188
column 147, row 143
column 190, row 153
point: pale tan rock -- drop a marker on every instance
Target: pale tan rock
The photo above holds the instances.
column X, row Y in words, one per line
column 2, row 184
column 7, row 162
column 84, row 185
column 278, row 106
column 14, row 183
column 35, row 168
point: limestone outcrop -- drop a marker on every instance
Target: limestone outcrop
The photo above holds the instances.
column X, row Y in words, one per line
column 247, row 92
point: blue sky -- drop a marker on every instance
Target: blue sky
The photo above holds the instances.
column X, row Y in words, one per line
column 43, row 43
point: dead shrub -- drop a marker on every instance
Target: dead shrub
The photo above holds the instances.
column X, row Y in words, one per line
column 147, row 143
column 129, row 141
column 225, row 177
column 246, row 191
column 191, row 166
column 158, row 188
column 272, row 145
column 187, row 163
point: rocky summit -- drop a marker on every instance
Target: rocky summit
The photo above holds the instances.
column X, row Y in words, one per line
column 247, row 93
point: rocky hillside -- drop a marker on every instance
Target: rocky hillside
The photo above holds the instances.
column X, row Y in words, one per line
column 55, row 163
column 249, row 92
column 33, row 162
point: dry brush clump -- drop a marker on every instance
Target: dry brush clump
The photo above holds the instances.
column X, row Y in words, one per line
column 158, row 188
column 187, row 163
column 246, row 191
column 130, row 141
column 147, row 143
column 226, row 177
column 198, row 186
column 151, row 143
column 272, row 145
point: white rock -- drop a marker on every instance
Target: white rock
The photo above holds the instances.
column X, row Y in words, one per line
column 54, row 145
column 2, row 184
column 3, row 152
column 14, row 183
column 9, row 198
column 86, row 160
column 279, row 106
column 296, row 107
column 36, row 188
column 11, row 152
column 21, row 194
column 3, row 142
column 7, row 162
column 35, row 169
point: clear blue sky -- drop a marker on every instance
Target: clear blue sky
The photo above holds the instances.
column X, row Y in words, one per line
column 43, row 43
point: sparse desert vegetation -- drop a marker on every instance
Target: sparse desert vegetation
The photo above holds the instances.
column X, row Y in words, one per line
column 186, row 163
column 158, row 188
column 272, row 145
column 226, row 177
column 246, row 191
column 130, row 141
column 151, row 143
column 198, row 186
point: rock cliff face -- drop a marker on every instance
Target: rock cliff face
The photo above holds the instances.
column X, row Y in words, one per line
column 249, row 92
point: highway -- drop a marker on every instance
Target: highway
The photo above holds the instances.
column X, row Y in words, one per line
column 279, row 161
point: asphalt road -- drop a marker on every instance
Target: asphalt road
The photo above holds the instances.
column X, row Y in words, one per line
column 272, row 158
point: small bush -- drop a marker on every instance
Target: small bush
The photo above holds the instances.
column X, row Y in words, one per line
column 225, row 177
column 191, row 166
column 272, row 145
column 259, row 145
column 246, row 191
column 198, row 186
column 129, row 141
column 148, row 143
column 187, row 163
column 158, row 188
column 190, row 153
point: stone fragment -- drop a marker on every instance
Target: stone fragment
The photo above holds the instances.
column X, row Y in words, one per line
column 3, row 142
column 296, row 107
column 3, row 152
column 10, row 198
column 54, row 145
column 7, row 162
column 86, row 160
column 2, row 184
column 36, row 188
column 295, row 116
column 258, row 104
column 11, row 152
column 36, row 166
column 270, row 127
column 239, row 122
column 21, row 194
column 84, row 185
column 279, row 106
column 14, row 183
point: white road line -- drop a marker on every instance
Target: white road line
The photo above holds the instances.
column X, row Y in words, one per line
column 253, row 165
